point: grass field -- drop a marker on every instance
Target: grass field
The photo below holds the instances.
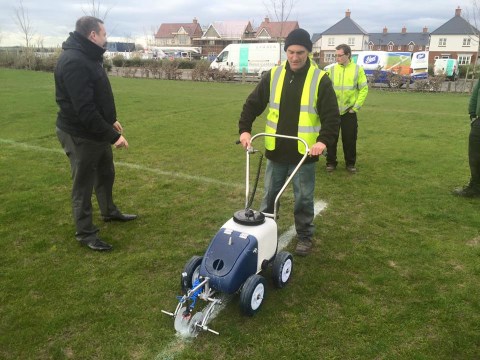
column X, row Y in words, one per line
column 395, row 272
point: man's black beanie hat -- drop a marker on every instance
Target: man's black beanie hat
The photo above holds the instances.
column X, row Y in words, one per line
column 299, row 37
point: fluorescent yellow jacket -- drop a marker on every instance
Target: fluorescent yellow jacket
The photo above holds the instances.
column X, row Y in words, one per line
column 350, row 85
column 308, row 119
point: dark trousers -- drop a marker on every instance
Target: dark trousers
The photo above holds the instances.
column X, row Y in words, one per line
column 349, row 130
column 92, row 168
column 474, row 153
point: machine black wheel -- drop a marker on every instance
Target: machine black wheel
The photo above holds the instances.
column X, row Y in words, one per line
column 282, row 269
column 252, row 295
column 190, row 272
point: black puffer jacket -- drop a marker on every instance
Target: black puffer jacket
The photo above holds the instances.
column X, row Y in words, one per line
column 83, row 91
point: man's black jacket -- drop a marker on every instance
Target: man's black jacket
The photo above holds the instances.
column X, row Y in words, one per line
column 83, row 91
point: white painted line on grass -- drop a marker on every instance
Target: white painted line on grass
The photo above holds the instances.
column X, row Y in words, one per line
column 175, row 347
column 170, row 174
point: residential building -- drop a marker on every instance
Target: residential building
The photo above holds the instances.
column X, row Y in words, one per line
column 346, row 31
column 222, row 33
column 273, row 31
column 456, row 39
column 178, row 34
column 403, row 41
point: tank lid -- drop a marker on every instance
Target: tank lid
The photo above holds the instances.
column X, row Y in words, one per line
column 249, row 217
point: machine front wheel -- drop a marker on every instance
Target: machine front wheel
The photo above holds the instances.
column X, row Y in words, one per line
column 282, row 269
column 252, row 294
column 190, row 273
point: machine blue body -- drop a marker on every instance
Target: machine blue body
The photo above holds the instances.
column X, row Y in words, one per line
column 230, row 259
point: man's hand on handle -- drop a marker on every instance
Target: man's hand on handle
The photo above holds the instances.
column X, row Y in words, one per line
column 245, row 140
column 317, row 149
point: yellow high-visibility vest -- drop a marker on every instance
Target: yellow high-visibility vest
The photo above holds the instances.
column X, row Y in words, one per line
column 350, row 85
column 309, row 120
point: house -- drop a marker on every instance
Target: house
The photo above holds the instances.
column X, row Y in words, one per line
column 222, row 33
column 456, row 39
column 178, row 34
column 269, row 31
column 346, row 31
column 403, row 41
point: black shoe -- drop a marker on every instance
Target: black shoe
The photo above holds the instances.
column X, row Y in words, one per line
column 120, row 217
column 330, row 167
column 99, row 245
column 351, row 169
column 467, row 191
column 304, row 247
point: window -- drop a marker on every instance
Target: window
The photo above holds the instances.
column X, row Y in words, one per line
column 370, row 46
column 390, row 47
column 464, row 59
column 399, row 47
column 466, row 41
column 442, row 42
column 331, row 41
column 182, row 39
column 329, row 58
column 351, row 41
column 223, row 56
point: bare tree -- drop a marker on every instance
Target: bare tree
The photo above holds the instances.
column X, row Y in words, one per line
column 95, row 9
column 23, row 22
column 39, row 42
column 149, row 36
column 281, row 10
column 472, row 15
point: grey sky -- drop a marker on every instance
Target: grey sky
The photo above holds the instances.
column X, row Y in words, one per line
column 130, row 20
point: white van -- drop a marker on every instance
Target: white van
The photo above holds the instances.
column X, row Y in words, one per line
column 447, row 67
column 419, row 65
column 253, row 57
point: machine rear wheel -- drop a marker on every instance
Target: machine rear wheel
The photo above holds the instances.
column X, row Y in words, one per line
column 252, row 295
column 190, row 273
column 282, row 269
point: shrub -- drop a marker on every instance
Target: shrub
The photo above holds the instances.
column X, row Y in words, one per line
column 433, row 83
column 201, row 72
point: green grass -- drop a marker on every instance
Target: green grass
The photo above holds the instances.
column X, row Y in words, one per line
column 395, row 273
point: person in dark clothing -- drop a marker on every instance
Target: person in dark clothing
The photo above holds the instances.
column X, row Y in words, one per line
column 87, row 127
column 302, row 103
column 472, row 189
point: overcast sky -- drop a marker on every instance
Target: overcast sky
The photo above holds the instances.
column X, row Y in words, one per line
column 134, row 20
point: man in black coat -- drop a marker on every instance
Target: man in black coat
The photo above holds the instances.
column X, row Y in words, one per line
column 87, row 127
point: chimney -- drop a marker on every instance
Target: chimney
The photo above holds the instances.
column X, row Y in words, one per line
column 347, row 13
column 385, row 30
column 404, row 30
column 195, row 21
column 458, row 11
column 425, row 30
column 267, row 20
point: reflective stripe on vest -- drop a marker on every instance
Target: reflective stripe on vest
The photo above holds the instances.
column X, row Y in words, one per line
column 308, row 121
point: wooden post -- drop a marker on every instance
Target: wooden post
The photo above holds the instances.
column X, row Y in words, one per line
column 244, row 75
